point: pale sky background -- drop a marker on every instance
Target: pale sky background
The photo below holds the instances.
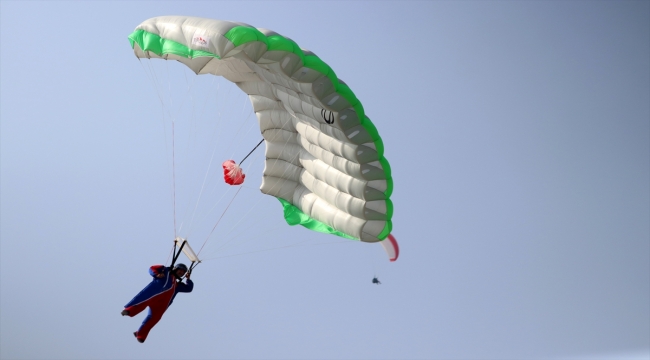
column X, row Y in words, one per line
column 518, row 133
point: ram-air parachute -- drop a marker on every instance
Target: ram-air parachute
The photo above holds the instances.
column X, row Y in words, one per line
column 324, row 158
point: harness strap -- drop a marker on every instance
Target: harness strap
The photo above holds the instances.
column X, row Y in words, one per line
column 177, row 254
column 192, row 266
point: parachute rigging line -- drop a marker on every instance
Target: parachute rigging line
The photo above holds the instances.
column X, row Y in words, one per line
column 201, row 192
column 298, row 244
column 258, row 201
column 153, row 78
column 170, row 253
column 176, row 255
column 175, row 258
column 215, row 225
column 249, row 154
column 214, row 132
column 174, row 175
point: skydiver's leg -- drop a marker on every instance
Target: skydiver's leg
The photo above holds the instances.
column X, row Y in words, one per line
column 137, row 308
column 157, row 307
column 156, row 312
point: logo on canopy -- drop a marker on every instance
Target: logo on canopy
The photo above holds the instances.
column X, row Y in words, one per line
column 200, row 40
column 328, row 116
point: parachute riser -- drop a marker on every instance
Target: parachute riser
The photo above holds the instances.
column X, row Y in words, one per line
column 185, row 248
column 176, row 254
column 192, row 266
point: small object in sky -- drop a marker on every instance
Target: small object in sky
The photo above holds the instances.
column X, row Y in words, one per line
column 376, row 281
column 232, row 173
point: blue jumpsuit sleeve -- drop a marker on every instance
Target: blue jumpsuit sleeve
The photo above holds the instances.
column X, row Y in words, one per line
column 186, row 288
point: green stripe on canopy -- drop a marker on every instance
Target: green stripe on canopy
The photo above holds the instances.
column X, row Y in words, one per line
column 295, row 216
column 153, row 42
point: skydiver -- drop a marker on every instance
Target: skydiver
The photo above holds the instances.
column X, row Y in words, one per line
column 158, row 295
column 376, row 281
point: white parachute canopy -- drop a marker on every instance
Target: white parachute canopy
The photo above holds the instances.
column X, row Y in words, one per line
column 324, row 157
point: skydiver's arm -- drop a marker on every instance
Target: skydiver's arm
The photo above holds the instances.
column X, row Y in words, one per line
column 186, row 287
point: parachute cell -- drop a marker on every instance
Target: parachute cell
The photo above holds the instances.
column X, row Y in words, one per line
column 324, row 157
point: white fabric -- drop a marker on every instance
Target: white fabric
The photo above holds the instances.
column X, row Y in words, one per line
column 316, row 166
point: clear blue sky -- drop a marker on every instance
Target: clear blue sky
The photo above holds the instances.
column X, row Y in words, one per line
column 519, row 139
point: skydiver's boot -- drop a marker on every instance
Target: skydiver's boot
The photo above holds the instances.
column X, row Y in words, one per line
column 125, row 312
column 137, row 338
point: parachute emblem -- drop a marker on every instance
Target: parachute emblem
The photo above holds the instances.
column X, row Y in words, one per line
column 328, row 116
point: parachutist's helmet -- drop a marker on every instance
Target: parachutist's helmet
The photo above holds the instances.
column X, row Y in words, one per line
column 181, row 267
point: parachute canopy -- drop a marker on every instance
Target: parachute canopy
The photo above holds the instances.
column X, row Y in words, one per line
column 324, row 158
